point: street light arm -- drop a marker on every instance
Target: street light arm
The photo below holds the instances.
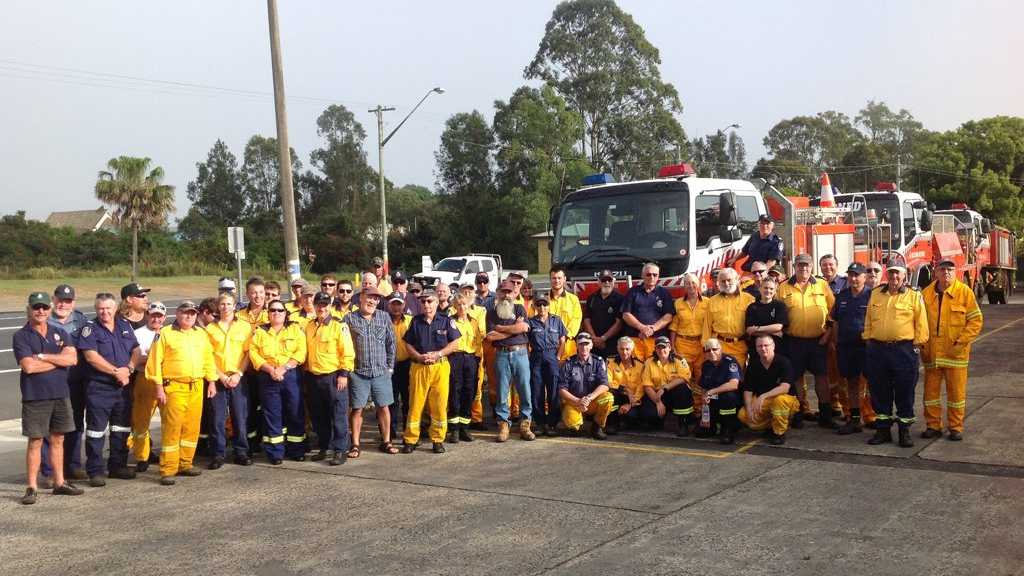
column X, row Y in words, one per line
column 425, row 96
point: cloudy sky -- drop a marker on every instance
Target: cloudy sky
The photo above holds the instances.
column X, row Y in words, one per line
column 82, row 82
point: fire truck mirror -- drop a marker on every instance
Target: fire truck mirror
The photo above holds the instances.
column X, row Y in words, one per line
column 729, row 235
column 727, row 209
column 986, row 225
column 926, row 220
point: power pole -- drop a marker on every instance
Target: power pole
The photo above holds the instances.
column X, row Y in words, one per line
column 899, row 173
column 291, row 237
column 379, row 111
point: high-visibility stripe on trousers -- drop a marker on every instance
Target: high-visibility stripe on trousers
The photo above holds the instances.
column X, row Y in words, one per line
column 600, row 408
column 892, row 376
column 428, row 388
column 143, row 405
column 956, row 397
column 461, row 386
column 693, row 352
column 775, row 412
column 179, row 425
column 284, row 422
column 105, row 404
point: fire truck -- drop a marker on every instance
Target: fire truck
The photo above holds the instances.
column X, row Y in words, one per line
column 990, row 265
column 680, row 221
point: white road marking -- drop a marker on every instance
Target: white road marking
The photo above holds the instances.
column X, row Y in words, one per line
column 10, row 370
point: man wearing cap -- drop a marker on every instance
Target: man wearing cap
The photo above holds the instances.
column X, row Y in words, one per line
column 230, row 339
column 226, row 284
column 506, row 330
column 847, row 327
column 566, row 306
column 665, row 379
column 954, row 322
column 330, row 358
column 374, row 341
column 583, row 386
column 726, row 317
column 809, row 301
column 777, row 273
column 765, row 246
column 111, row 351
column 377, row 267
column 895, row 327
column 400, row 377
column 182, row 367
column 647, row 311
column 768, row 396
column 401, row 284
column 430, row 339
column 547, row 337
column 305, row 311
column 484, row 294
column 66, row 317
column 602, row 315
column 295, row 286
column 134, row 303
column 144, row 391
column 44, row 353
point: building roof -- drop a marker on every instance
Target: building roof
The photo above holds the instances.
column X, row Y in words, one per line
column 81, row 220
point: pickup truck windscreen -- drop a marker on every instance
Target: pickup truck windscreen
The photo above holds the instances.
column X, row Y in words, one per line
column 450, row 265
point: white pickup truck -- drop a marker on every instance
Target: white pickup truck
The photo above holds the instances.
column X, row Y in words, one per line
column 460, row 269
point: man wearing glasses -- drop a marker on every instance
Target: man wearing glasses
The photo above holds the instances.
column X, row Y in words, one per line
column 583, row 386
column 111, row 351
column 760, row 271
column 602, row 317
column 66, row 317
column 484, row 295
column 44, row 353
column 872, row 275
column 134, row 303
column 343, row 301
column 647, row 311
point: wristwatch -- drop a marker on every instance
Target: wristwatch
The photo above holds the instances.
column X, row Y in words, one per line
column 39, row 356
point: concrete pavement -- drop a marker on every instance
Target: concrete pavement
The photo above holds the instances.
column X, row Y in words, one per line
column 638, row 504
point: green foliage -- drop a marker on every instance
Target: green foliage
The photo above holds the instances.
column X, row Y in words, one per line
column 720, row 156
column 599, row 60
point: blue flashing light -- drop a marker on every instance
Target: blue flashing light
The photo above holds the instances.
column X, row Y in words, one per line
column 595, row 179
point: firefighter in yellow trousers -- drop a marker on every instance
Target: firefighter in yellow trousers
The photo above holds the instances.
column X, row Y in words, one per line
column 725, row 319
column 954, row 321
column 182, row 368
column 144, row 393
column 430, row 339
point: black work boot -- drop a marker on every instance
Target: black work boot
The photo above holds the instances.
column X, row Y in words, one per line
column 798, row 421
column 728, row 435
column 825, row 416
column 684, row 427
column 882, row 436
column 464, row 434
column 905, row 440
column 852, row 426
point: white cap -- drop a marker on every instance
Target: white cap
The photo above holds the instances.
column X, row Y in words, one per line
column 226, row 284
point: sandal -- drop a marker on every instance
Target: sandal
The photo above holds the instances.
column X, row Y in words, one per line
column 353, row 452
column 387, row 448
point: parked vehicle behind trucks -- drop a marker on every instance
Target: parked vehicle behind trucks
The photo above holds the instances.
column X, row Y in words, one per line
column 991, row 264
column 461, row 269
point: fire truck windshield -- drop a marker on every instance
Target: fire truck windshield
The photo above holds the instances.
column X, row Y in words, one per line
column 886, row 207
column 635, row 226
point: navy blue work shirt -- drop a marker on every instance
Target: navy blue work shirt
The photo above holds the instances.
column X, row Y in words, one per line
column 544, row 336
column 762, row 249
column 486, row 301
column 115, row 346
column 837, row 284
column 514, row 339
column 74, row 324
column 848, row 312
column 712, row 376
column 431, row 336
column 43, row 385
column 581, row 377
column 647, row 307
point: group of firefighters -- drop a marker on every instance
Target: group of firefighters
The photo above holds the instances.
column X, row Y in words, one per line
column 268, row 375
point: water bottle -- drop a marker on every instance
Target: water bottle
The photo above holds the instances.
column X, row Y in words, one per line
column 705, row 416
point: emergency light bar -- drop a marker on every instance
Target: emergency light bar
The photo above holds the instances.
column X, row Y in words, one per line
column 885, row 187
column 959, row 206
column 595, row 179
column 676, row 170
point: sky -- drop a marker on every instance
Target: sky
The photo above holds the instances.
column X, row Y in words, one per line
column 83, row 82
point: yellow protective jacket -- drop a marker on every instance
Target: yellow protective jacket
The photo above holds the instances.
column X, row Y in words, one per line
column 895, row 316
column 181, row 356
column 953, row 323
column 567, row 307
column 726, row 315
column 277, row 348
column 329, row 347
column 655, row 374
column 690, row 321
column 401, row 327
column 808, row 307
column 628, row 379
column 230, row 348
column 472, row 339
column 253, row 319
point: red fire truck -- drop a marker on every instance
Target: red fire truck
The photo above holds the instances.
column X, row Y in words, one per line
column 990, row 265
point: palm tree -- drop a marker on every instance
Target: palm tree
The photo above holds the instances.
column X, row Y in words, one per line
column 137, row 197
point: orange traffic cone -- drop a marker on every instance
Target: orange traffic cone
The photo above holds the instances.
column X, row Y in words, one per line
column 827, row 201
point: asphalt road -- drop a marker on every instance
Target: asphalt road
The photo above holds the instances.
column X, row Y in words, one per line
column 639, row 503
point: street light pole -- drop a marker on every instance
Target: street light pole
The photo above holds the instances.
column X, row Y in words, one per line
column 381, row 142
column 726, row 143
column 291, row 237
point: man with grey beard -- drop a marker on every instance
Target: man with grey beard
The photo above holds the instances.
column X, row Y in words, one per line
column 601, row 316
column 506, row 330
